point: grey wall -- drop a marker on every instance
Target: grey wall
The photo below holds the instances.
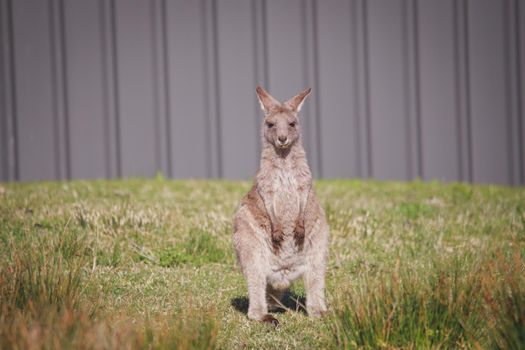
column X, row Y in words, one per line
column 402, row 88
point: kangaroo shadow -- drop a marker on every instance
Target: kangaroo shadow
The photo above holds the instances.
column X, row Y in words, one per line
column 290, row 301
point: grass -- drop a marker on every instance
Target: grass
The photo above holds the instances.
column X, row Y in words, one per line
column 148, row 264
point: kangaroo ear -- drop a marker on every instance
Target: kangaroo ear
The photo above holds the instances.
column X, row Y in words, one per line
column 266, row 100
column 296, row 102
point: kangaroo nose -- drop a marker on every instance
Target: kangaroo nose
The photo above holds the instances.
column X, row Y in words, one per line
column 282, row 139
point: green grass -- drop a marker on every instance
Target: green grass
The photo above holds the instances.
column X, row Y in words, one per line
column 141, row 264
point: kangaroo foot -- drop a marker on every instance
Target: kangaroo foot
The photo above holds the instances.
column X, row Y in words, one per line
column 271, row 320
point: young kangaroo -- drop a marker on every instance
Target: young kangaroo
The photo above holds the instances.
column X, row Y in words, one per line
column 281, row 232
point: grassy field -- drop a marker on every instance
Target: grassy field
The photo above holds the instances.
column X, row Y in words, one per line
column 149, row 264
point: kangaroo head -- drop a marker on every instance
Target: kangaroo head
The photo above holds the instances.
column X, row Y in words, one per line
column 281, row 121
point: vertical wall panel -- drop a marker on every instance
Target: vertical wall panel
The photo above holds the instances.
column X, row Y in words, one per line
column 310, row 111
column 260, row 55
column 336, row 90
column 161, row 88
column 135, row 87
column 440, row 148
column 462, row 72
column 85, row 94
column 34, row 90
column 7, row 113
column 109, row 88
column 488, row 90
column 187, row 75
column 520, row 21
column 388, row 112
column 362, row 86
column 60, row 98
column 511, row 37
column 412, row 77
column 212, row 88
column 4, row 71
column 237, row 89
column 520, row 51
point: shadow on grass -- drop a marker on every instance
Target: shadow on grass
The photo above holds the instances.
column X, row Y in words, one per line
column 291, row 301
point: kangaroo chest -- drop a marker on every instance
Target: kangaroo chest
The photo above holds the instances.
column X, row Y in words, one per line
column 285, row 198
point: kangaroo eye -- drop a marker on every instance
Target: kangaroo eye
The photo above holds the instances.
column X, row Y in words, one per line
column 292, row 124
column 269, row 125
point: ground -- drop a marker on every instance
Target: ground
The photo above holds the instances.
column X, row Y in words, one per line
column 150, row 264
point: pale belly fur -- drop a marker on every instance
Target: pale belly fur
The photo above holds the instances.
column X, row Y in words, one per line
column 285, row 269
column 286, row 201
column 288, row 264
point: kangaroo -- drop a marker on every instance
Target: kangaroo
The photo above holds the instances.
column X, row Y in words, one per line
column 280, row 229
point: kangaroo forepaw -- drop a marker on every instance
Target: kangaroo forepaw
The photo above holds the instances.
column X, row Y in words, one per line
column 277, row 237
column 299, row 233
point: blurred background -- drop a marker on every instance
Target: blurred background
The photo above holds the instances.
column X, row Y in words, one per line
column 130, row 88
